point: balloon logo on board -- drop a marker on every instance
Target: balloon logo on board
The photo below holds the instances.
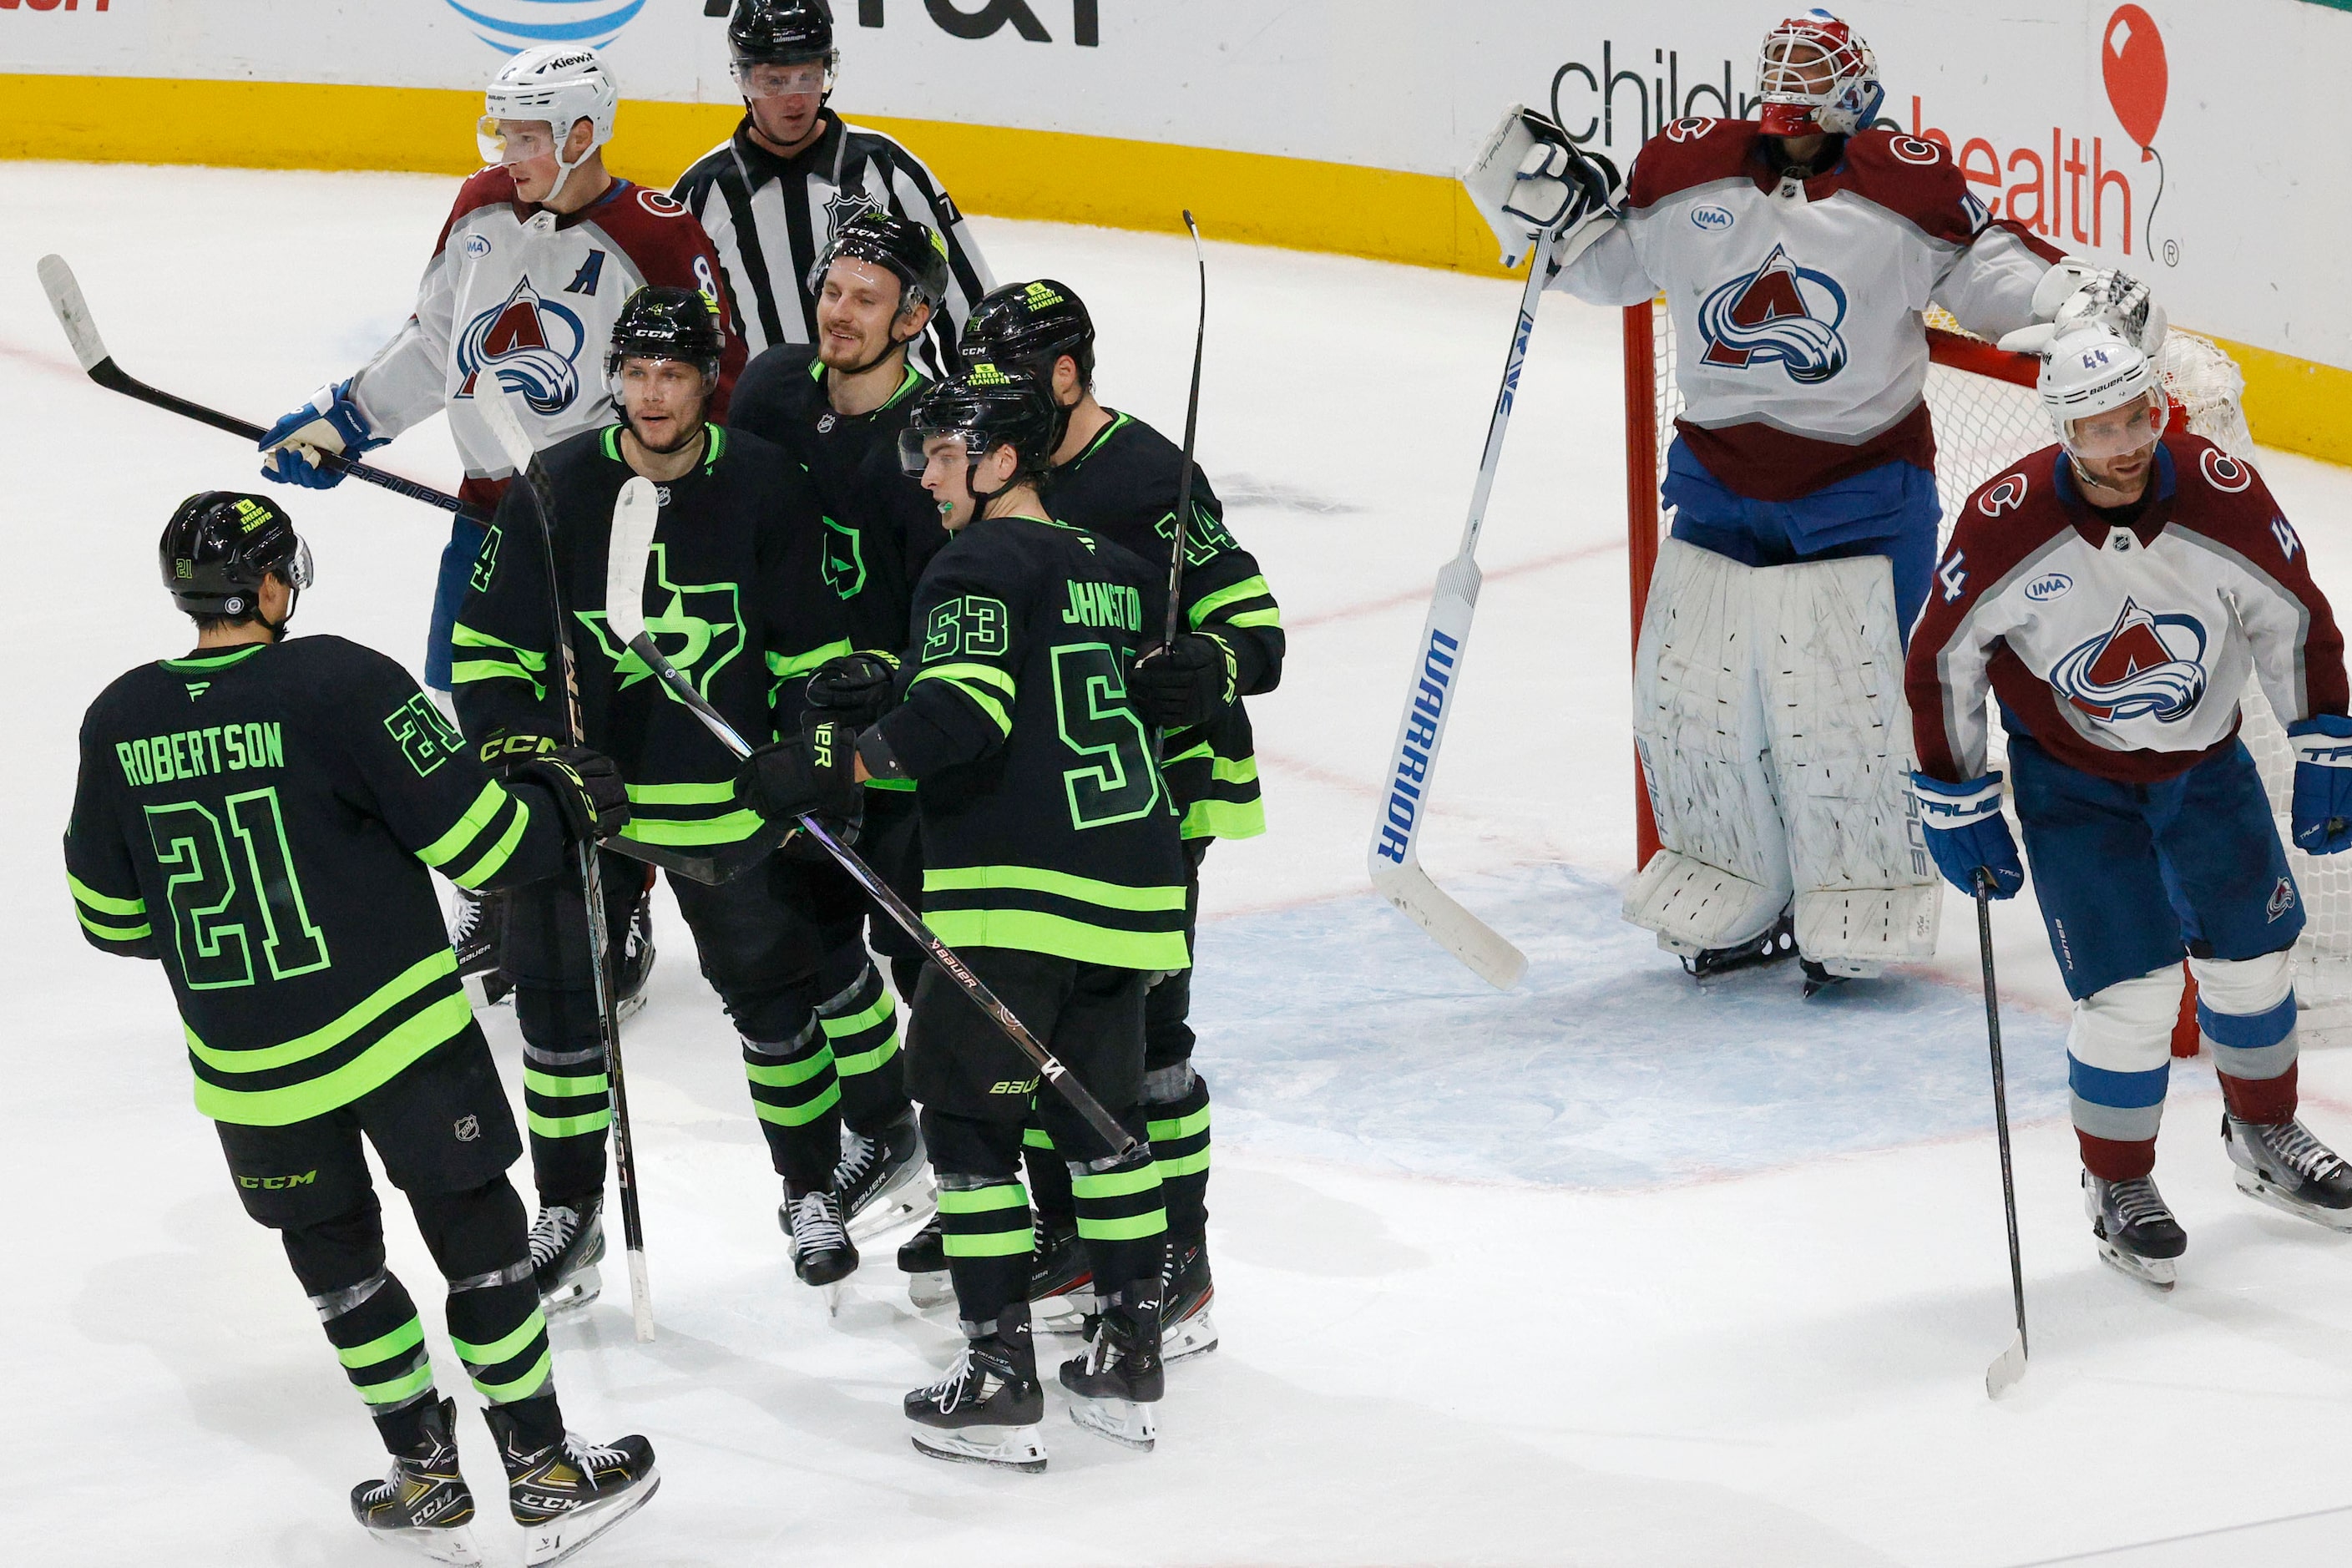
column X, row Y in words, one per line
column 2131, row 59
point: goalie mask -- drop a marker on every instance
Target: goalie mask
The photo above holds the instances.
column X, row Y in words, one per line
column 1814, row 75
column 218, row 547
column 2104, row 397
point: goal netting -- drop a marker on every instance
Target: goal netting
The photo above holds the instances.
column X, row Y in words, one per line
column 1987, row 416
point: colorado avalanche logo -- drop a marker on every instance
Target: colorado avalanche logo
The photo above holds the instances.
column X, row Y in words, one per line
column 2143, row 667
column 1780, row 314
column 530, row 345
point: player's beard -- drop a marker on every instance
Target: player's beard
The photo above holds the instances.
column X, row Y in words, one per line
column 690, row 431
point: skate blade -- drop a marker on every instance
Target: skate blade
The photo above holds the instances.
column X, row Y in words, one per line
column 628, row 1007
column 1019, row 1448
column 559, row 1538
column 1064, row 1314
column 2007, row 1368
column 2263, row 1191
column 1123, row 1421
column 2161, row 1272
column 453, row 1545
column 1195, row 1335
column 888, row 1209
column 931, row 1290
column 578, row 1291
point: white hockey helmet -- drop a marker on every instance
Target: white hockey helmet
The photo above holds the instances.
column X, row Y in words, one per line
column 1815, row 74
column 562, row 84
column 2092, row 369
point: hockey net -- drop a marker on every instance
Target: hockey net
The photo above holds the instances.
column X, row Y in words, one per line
column 1987, row 416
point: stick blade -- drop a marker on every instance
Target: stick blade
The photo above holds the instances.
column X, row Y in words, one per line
column 641, row 1298
column 498, row 416
column 635, row 514
column 2006, row 1369
column 63, row 290
column 1481, row 949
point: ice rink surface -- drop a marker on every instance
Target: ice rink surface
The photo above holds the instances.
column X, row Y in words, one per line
column 1608, row 1270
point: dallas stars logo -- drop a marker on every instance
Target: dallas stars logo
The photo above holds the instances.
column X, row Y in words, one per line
column 698, row 629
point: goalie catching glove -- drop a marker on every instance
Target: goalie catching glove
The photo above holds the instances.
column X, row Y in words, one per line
column 2321, row 812
column 1966, row 833
column 2075, row 294
column 329, row 422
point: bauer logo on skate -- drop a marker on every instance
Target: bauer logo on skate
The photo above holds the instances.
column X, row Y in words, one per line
column 2143, row 666
column 530, row 345
column 1780, row 314
column 1438, row 664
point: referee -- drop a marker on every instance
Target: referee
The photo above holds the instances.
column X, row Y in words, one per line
column 771, row 195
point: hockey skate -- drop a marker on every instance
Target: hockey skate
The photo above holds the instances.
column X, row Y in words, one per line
column 1114, row 1384
column 1186, row 1292
column 566, row 1244
column 565, row 1495
column 478, row 926
column 881, row 1180
column 636, row 964
column 923, row 1259
column 822, row 1254
column 1061, row 1281
column 424, row 1502
column 1778, row 941
column 2281, row 1164
column 2136, row 1231
column 988, row 1409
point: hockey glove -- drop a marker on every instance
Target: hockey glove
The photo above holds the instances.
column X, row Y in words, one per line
column 505, row 750
column 856, row 689
column 813, row 773
column 1966, row 833
column 329, row 422
column 586, row 787
column 1557, row 187
column 2071, row 295
column 2321, row 814
column 1190, row 681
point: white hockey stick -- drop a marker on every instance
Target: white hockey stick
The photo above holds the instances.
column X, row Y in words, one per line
column 1395, row 855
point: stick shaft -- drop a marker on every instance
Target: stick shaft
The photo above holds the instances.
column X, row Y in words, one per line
column 2001, row 1100
column 1192, row 432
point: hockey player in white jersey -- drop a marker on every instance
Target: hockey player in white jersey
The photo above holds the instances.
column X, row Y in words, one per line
column 774, row 193
column 2112, row 593
column 1796, row 253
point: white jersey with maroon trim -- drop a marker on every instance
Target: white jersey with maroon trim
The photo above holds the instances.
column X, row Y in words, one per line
column 527, row 296
column 1798, row 349
column 2121, row 649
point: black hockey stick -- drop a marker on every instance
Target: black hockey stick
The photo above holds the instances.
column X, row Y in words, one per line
column 491, row 401
column 1191, row 429
column 81, row 331
column 634, row 515
column 2009, row 1365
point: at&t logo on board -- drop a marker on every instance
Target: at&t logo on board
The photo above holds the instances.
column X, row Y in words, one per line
column 532, row 346
column 510, row 27
column 1780, row 314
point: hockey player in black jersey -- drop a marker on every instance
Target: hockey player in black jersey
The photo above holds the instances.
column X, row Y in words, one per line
column 736, row 595
column 1118, row 478
column 774, row 193
column 260, row 816
column 1052, row 863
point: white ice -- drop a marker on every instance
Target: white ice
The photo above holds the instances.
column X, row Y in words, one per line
column 1609, row 1270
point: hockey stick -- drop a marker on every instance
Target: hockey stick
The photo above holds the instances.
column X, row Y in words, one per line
column 1192, row 428
column 634, row 515
column 1395, row 857
column 81, row 331
column 491, row 401
column 2009, row 1365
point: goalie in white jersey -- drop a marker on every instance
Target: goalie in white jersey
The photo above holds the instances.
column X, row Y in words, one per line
column 1795, row 253
column 2112, row 593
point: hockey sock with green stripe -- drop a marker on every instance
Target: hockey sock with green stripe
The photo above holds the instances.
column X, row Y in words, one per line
column 1176, row 1112
column 985, row 1232
column 1122, row 1219
column 797, row 1095
column 861, row 1027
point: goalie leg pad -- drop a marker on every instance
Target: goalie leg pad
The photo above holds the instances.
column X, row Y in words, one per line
column 1722, row 876
column 1838, row 732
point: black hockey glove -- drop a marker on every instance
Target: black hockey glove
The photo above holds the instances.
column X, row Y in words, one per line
column 1190, row 681
column 505, row 750
column 585, row 786
column 813, row 773
column 856, row 689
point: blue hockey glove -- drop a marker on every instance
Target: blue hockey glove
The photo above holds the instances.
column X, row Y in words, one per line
column 2322, row 814
column 329, row 422
column 1966, row 833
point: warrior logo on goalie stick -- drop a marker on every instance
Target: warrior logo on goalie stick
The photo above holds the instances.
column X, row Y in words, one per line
column 2143, row 666
column 1780, row 314
column 532, row 346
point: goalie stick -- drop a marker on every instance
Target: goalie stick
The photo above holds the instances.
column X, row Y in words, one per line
column 635, row 516
column 81, row 331
column 492, row 403
column 2009, row 1365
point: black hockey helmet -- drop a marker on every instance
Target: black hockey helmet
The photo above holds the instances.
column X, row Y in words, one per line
column 913, row 251
column 987, row 406
column 218, row 547
column 782, row 33
column 1028, row 326
column 663, row 321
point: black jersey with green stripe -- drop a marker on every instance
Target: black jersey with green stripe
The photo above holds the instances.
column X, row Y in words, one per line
column 261, row 819
column 1045, row 821
column 1124, row 487
column 882, row 527
column 734, row 596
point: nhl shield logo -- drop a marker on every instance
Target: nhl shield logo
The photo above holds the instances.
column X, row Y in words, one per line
column 532, row 346
column 2144, row 665
column 468, row 1129
column 1781, row 314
